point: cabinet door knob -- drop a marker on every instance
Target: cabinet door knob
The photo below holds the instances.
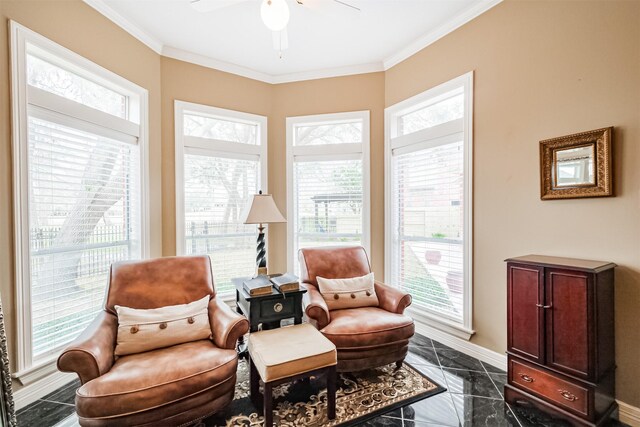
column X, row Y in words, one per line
column 568, row 395
column 526, row 378
column 543, row 306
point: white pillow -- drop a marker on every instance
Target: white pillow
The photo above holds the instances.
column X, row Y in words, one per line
column 144, row 330
column 355, row 292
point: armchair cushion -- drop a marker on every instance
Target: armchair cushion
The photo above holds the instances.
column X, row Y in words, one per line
column 332, row 263
column 142, row 330
column 348, row 293
column 146, row 381
column 159, row 282
column 358, row 328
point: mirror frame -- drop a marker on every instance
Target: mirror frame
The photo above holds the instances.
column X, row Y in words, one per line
column 7, row 406
column 603, row 187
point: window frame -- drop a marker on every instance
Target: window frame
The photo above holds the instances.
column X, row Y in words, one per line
column 421, row 139
column 214, row 148
column 329, row 152
column 26, row 98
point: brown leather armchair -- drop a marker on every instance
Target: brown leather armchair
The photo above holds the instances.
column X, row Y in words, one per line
column 364, row 337
column 168, row 386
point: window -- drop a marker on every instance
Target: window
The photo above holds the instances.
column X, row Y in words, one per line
column 220, row 164
column 328, row 181
column 79, row 162
column 428, row 201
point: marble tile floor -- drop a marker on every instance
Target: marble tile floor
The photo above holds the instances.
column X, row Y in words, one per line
column 474, row 396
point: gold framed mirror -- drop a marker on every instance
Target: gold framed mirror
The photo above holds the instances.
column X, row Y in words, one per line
column 577, row 165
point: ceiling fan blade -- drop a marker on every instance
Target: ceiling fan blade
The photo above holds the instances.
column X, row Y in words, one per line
column 211, row 5
column 317, row 4
column 348, row 5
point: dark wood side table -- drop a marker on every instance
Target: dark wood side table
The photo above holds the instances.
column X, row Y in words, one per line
column 267, row 310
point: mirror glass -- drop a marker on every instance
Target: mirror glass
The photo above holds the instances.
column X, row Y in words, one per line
column 573, row 167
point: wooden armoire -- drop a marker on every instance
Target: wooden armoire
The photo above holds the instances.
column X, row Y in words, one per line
column 560, row 337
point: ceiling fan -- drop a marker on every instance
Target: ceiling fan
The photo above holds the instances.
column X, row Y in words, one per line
column 274, row 13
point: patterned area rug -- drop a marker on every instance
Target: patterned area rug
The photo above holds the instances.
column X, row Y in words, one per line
column 360, row 396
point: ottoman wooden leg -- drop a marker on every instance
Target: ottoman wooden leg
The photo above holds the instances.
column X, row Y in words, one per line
column 267, row 405
column 331, row 392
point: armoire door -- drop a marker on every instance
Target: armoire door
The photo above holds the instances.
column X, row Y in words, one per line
column 568, row 329
column 525, row 296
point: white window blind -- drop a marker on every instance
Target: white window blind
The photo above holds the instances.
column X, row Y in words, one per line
column 328, row 163
column 429, row 202
column 220, row 165
column 216, row 192
column 84, row 211
column 328, row 203
column 79, row 164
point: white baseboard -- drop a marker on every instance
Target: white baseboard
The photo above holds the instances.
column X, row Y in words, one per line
column 488, row 356
column 628, row 414
column 40, row 388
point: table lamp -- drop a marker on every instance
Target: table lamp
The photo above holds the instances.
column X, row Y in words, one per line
column 262, row 210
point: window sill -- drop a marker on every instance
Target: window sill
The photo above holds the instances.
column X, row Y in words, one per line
column 441, row 324
column 38, row 371
column 229, row 299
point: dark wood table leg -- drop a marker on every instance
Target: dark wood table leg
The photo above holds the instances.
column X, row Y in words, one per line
column 243, row 346
column 254, row 384
column 331, row 392
column 267, row 405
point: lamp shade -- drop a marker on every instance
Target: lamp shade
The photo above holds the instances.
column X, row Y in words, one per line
column 262, row 210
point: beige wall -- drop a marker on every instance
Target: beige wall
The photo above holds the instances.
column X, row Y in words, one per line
column 80, row 28
column 546, row 69
column 543, row 69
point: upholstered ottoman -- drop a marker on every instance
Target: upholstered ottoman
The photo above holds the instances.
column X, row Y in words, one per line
column 286, row 354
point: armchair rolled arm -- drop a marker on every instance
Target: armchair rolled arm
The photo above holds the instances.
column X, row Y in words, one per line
column 391, row 299
column 226, row 325
column 92, row 353
column 315, row 306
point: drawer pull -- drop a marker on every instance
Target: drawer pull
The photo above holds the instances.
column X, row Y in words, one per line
column 526, row 378
column 568, row 395
column 278, row 307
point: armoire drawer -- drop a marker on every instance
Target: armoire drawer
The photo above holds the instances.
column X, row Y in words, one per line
column 550, row 387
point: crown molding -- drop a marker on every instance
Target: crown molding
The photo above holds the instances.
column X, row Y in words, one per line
column 444, row 29
column 205, row 61
column 328, row 72
column 137, row 32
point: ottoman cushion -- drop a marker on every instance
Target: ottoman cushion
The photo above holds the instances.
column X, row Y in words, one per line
column 289, row 351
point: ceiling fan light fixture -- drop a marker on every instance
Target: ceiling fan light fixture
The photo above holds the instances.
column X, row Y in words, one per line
column 275, row 14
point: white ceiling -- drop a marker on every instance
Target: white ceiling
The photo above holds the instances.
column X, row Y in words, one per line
column 325, row 37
